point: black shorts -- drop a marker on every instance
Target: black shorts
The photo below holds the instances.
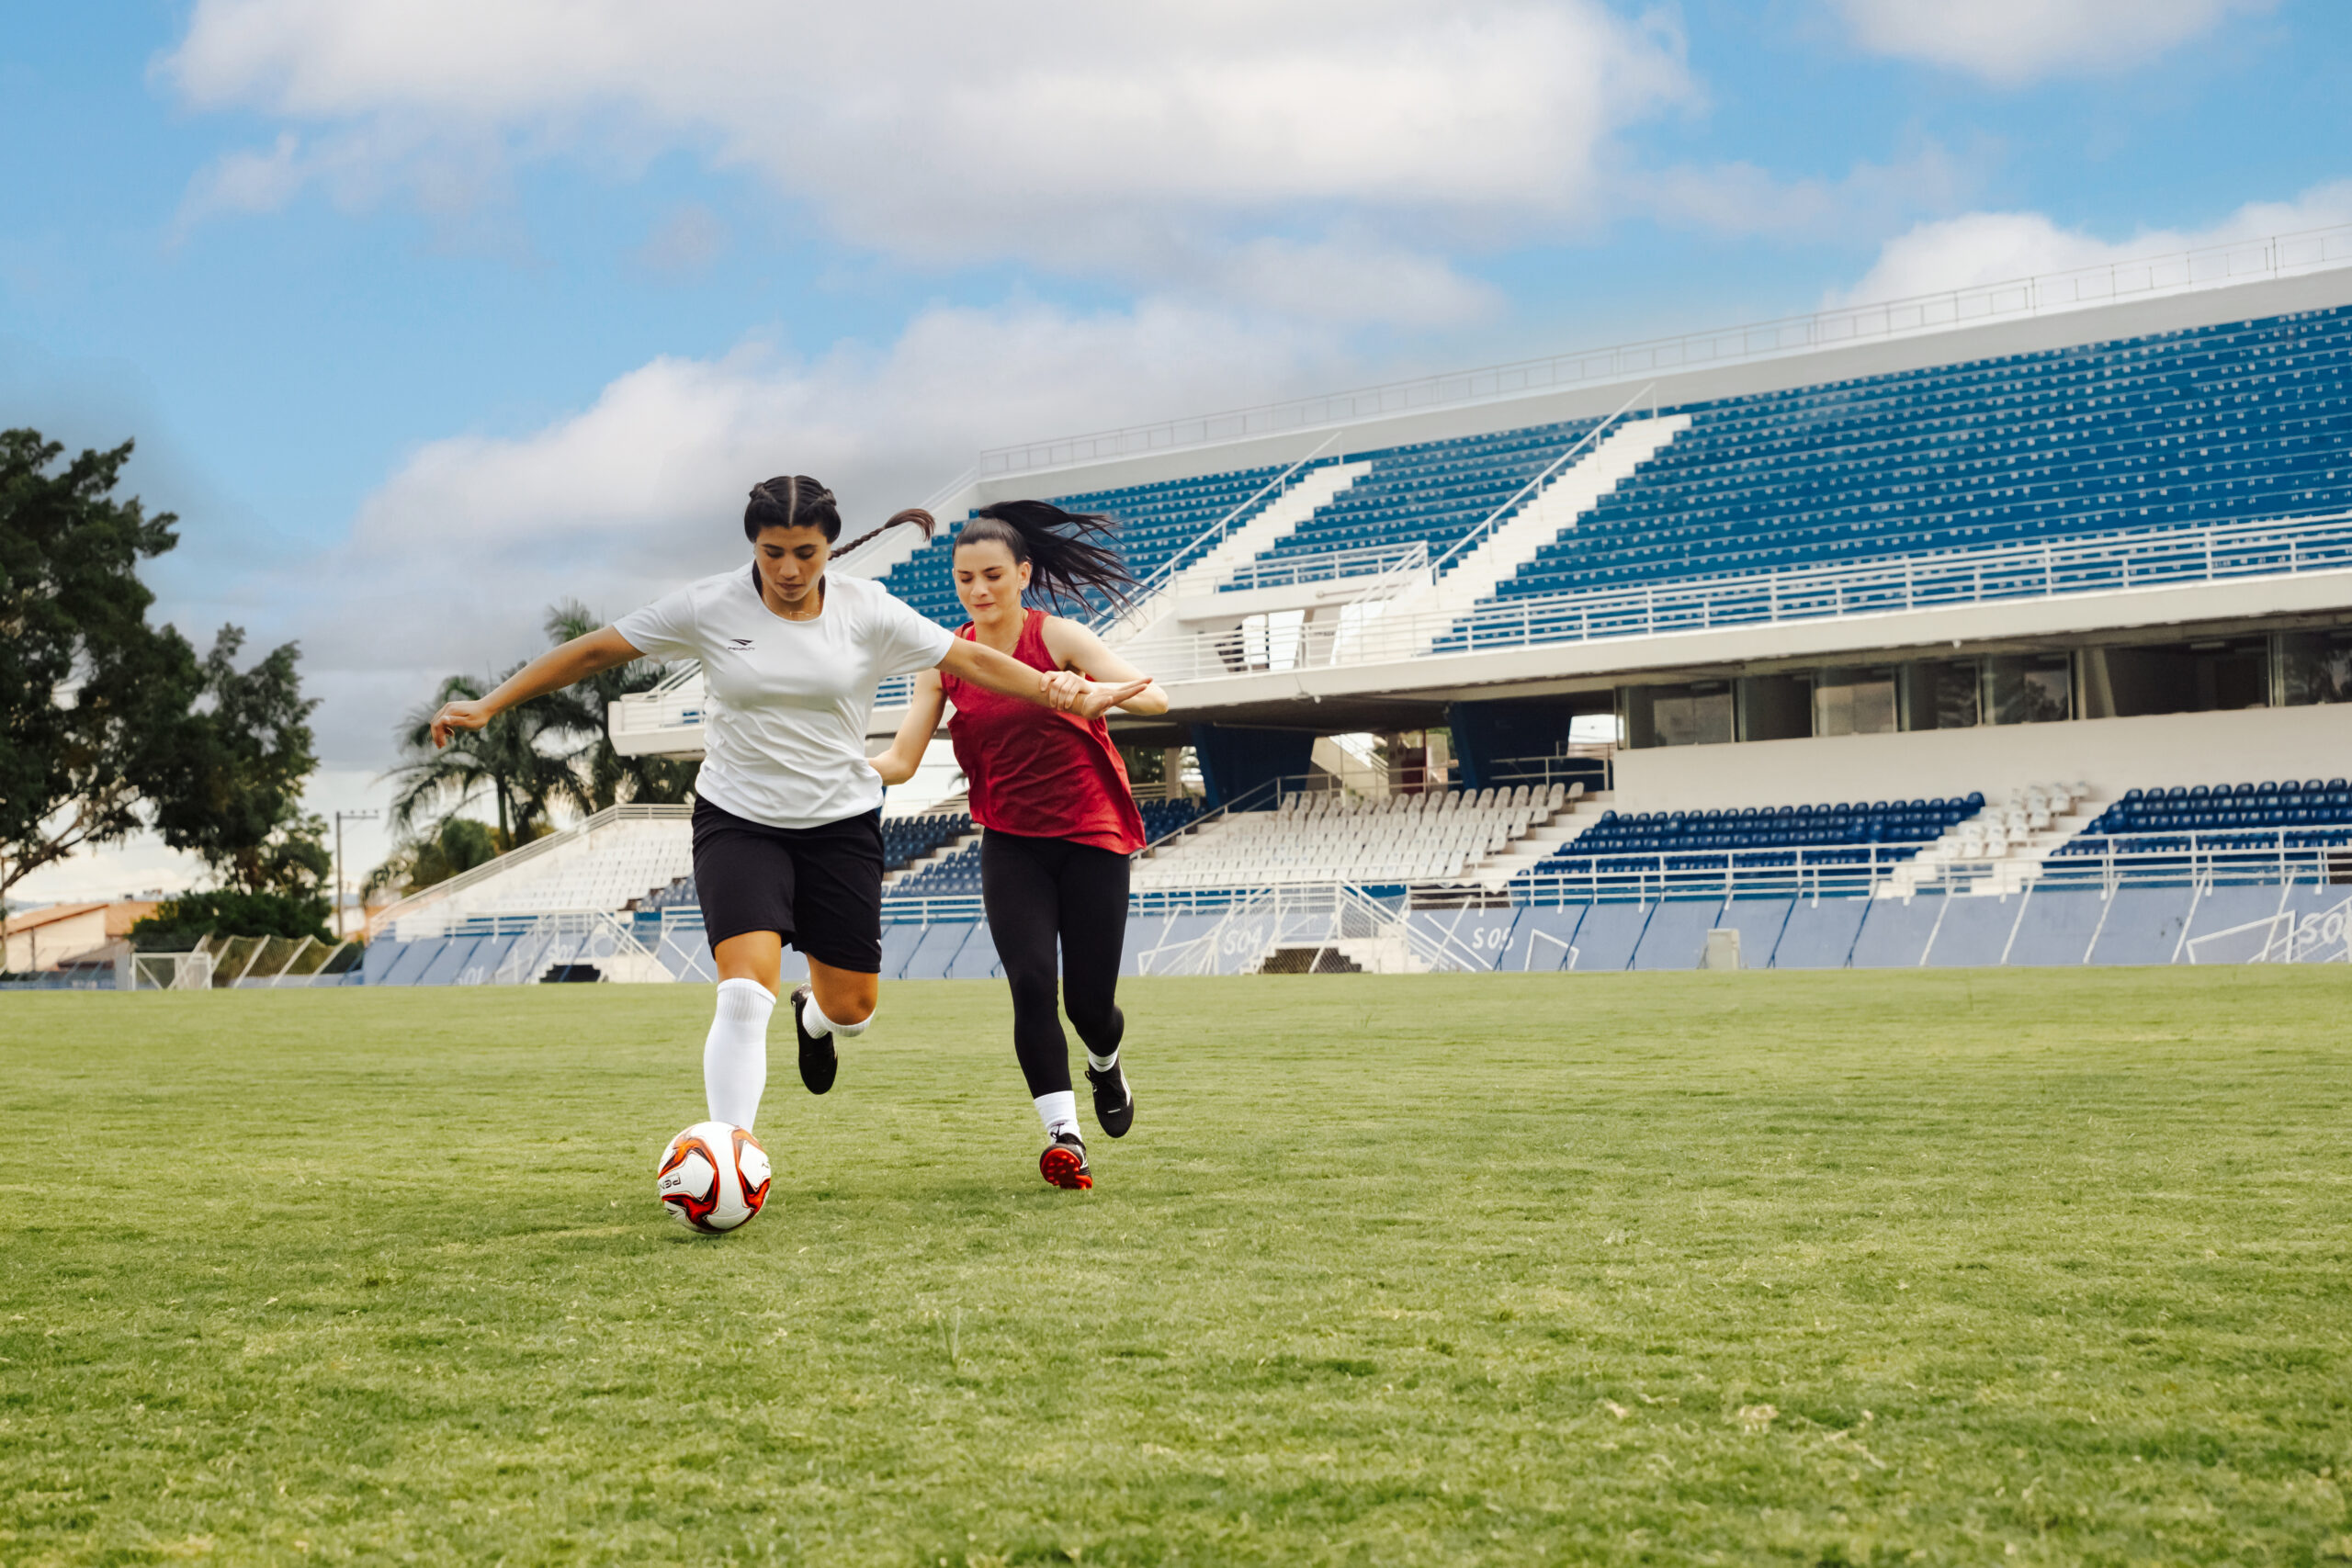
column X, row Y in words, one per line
column 819, row 888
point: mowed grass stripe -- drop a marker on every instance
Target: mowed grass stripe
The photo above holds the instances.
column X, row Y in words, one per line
column 1805, row 1267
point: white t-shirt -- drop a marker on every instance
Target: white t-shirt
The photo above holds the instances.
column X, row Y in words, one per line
column 785, row 728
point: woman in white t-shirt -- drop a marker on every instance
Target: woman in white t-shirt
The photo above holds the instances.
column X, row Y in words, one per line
column 788, row 840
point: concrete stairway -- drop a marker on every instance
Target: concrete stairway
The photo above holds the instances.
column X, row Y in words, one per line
column 1541, row 838
column 1554, row 510
column 1309, row 494
column 2001, row 849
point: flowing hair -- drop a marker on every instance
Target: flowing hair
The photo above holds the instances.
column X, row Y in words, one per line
column 1065, row 567
column 795, row 501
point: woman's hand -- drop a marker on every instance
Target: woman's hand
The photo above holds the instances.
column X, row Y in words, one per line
column 1099, row 699
column 894, row 769
column 454, row 717
column 1064, row 690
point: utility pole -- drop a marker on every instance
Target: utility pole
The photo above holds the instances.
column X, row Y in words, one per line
column 340, row 818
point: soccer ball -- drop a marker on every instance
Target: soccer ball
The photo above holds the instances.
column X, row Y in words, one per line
column 713, row 1177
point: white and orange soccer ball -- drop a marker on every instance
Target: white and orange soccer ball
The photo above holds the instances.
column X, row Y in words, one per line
column 713, row 1177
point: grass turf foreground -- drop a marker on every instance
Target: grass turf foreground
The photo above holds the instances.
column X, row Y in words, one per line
column 1815, row 1268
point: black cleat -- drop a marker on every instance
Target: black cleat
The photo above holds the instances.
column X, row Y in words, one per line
column 1064, row 1163
column 1114, row 1102
column 818, row 1061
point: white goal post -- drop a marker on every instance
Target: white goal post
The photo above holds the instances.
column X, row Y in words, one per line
column 171, row 971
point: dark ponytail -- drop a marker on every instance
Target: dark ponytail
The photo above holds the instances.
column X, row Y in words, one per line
column 795, row 501
column 1065, row 566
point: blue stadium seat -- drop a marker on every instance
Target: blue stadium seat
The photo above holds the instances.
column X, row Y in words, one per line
column 1849, row 832
column 1156, row 522
column 2298, row 814
column 2242, row 421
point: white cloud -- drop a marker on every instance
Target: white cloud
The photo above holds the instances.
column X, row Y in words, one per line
column 251, row 182
column 451, row 562
column 1999, row 247
column 1154, row 140
column 1742, row 199
column 2009, row 43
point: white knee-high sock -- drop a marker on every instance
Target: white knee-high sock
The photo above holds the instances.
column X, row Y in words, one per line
column 1058, row 1110
column 735, row 1053
column 813, row 1019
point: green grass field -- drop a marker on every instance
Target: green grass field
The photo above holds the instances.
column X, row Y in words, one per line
column 1811, row 1269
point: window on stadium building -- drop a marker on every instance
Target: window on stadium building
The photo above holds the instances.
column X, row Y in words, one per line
column 1697, row 715
column 2206, row 676
column 1855, row 702
column 1941, row 694
column 1775, row 707
column 2029, row 688
column 2314, row 667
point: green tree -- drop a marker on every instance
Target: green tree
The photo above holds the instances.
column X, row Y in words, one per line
column 177, row 923
column 95, row 703
column 518, row 758
column 235, row 787
column 603, row 777
column 458, row 844
column 552, row 751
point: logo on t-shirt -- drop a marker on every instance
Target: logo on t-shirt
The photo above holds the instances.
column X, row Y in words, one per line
column 739, row 642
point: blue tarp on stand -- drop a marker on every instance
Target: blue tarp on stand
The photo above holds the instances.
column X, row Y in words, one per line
column 1820, row 933
column 1975, row 931
column 1676, row 937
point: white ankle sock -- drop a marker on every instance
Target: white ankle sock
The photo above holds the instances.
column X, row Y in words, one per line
column 1058, row 1110
column 735, row 1053
column 1103, row 1063
column 813, row 1019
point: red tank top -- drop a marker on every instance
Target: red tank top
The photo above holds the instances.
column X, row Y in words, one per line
column 1035, row 771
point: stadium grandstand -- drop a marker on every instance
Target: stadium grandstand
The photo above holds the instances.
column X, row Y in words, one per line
column 2009, row 626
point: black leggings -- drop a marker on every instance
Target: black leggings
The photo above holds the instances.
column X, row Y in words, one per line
column 1036, row 890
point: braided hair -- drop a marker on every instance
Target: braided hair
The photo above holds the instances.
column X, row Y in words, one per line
column 1065, row 567
column 795, row 501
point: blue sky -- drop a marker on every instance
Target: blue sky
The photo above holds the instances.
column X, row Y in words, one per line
column 424, row 314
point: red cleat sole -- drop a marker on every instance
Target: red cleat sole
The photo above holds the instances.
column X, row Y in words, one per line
column 1064, row 1168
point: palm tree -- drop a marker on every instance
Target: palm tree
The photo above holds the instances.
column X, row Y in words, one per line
column 509, row 756
column 601, row 775
column 552, row 751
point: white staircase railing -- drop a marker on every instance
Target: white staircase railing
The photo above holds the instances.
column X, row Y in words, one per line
column 559, row 939
column 1325, row 915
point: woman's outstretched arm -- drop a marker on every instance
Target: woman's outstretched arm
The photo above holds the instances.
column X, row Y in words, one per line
column 898, row 764
column 984, row 666
column 551, row 672
column 1079, row 648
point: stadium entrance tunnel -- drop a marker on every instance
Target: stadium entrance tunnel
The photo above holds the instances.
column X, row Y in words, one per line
column 1234, row 763
column 1309, row 961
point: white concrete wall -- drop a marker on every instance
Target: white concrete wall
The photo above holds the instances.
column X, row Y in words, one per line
column 2111, row 755
column 47, row 946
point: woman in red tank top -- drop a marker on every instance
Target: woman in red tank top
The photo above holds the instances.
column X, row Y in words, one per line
column 1052, row 796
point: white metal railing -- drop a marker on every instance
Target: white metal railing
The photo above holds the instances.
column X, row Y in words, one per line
column 2240, row 855
column 1136, row 605
column 1534, row 487
column 2176, row 272
column 565, row 938
column 2101, row 863
column 1256, row 922
column 2101, row 563
column 1328, row 566
column 1828, row 871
